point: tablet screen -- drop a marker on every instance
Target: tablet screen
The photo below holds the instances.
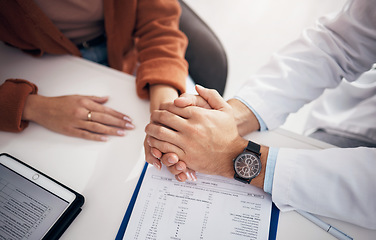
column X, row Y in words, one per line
column 27, row 211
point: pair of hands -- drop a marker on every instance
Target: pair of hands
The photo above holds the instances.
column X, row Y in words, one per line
column 194, row 133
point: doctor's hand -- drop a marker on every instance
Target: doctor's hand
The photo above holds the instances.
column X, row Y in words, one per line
column 171, row 160
column 76, row 115
column 205, row 139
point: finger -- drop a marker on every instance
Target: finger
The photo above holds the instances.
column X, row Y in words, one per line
column 179, row 167
column 168, row 119
column 150, row 158
column 190, row 174
column 165, row 147
column 97, row 99
column 212, row 97
column 181, row 177
column 169, row 159
column 156, row 153
column 162, row 133
column 87, row 135
column 110, row 120
column 99, row 128
column 193, row 174
column 182, row 112
column 117, row 114
column 96, row 104
column 191, row 100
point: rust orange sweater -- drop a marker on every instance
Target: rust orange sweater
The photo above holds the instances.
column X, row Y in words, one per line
column 136, row 30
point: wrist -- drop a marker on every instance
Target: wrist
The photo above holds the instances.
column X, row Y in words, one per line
column 259, row 180
column 245, row 119
column 238, row 147
column 160, row 93
column 243, row 147
column 31, row 107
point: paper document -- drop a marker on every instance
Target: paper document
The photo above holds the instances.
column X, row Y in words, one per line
column 212, row 207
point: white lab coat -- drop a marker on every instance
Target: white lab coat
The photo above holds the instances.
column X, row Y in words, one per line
column 338, row 183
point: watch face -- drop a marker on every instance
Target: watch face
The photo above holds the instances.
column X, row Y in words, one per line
column 247, row 165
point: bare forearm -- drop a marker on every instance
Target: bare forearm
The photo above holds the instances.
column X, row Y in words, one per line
column 160, row 93
column 33, row 104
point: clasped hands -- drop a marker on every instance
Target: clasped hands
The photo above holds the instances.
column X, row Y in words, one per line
column 194, row 133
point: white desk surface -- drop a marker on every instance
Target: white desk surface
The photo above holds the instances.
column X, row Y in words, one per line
column 107, row 173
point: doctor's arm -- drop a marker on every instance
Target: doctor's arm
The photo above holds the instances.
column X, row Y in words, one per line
column 206, row 140
column 337, row 183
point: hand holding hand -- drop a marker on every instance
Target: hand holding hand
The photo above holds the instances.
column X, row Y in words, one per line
column 76, row 115
column 171, row 160
column 206, row 140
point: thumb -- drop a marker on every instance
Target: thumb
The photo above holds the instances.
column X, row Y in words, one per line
column 212, row 97
column 186, row 100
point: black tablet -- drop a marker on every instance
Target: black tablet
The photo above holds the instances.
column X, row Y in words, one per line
column 33, row 205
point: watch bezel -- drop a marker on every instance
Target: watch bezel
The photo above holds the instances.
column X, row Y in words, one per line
column 238, row 158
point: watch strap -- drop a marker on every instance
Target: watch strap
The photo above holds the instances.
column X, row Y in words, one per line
column 253, row 147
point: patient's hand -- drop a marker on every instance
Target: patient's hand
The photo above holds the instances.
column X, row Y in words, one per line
column 186, row 100
column 76, row 115
column 172, row 162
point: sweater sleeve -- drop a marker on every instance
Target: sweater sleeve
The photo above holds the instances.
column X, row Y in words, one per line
column 13, row 94
column 161, row 46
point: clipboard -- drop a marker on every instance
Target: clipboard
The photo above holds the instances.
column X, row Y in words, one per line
column 273, row 221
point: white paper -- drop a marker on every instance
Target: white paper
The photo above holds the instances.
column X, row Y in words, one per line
column 212, row 207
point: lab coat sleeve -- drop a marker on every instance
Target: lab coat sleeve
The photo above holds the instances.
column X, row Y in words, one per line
column 341, row 46
column 337, row 183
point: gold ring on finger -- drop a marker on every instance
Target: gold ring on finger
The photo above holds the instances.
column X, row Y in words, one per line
column 89, row 116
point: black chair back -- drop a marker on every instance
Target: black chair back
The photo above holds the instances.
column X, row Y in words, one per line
column 205, row 54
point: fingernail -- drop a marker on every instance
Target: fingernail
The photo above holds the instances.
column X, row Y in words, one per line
column 157, row 165
column 104, row 139
column 179, row 168
column 188, row 176
column 199, row 86
column 129, row 125
column 126, row 118
column 193, row 176
column 172, row 160
column 154, row 155
column 178, row 177
column 120, row 132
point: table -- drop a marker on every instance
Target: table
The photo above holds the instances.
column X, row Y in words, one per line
column 106, row 173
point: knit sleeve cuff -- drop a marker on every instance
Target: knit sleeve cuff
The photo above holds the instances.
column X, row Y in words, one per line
column 13, row 95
